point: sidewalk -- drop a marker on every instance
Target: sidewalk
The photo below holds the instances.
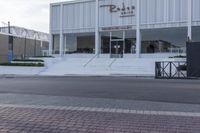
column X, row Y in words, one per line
column 26, row 119
column 56, row 114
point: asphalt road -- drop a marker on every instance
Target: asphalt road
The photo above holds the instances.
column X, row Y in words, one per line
column 126, row 88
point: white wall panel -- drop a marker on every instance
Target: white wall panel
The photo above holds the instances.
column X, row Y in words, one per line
column 80, row 16
column 155, row 11
column 171, row 10
column 151, row 11
column 196, row 10
column 55, row 18
column 183, row 10
column 159, row 7
column 143, row 11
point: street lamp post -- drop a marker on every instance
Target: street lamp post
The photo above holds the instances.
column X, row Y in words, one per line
column 24, row 48
column 35, row 47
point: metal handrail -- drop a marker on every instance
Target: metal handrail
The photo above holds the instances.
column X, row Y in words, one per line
column 177, row 50
column 112, row 62
column 170, row 69
column 90, row 60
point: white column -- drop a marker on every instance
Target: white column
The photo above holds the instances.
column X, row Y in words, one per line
column 189, row 20
column 124, row 35
column 97, row 28
column 50, row 34
column 138, row 32
column 61, row 29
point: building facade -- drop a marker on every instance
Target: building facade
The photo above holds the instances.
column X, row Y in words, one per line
column 123, row 27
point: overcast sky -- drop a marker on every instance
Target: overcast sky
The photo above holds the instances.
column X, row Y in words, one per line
column 32, row 14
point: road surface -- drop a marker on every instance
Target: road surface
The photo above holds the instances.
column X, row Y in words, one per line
column 122, row 88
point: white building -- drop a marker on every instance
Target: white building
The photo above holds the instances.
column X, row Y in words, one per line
column 118, row 28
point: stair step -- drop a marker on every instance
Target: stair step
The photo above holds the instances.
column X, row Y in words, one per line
column 71, row 65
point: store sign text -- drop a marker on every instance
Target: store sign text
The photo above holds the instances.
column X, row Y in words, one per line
column 117, row 28
column 125, row 11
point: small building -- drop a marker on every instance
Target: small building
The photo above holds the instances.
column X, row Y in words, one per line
column 23, row 43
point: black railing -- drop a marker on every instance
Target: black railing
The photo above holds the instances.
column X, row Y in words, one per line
column 171, row 70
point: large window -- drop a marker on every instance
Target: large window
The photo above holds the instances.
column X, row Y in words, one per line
column 168, row 40
column 56, row 44
column 85, row 44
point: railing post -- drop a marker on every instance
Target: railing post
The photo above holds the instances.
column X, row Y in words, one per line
column 170, row 69
column 158, row 68
column 178, row 70
column 156, row 76
column 163, row 73
column 165, row 69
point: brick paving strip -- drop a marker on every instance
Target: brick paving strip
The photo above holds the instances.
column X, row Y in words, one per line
column 55, row 119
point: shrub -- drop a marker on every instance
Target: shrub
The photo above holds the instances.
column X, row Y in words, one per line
column 182, row 67
column 28, row 60
column 23, row 64
column 43, row 57
column 178, row 56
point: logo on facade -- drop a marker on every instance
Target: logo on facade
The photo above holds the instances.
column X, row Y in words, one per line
column 125, row 11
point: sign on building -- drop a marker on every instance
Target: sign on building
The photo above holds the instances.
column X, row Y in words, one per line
column 123, row 10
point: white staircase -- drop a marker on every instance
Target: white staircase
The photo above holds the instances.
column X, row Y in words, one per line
column 66, row 66
column 136, row 67
column 91, row 65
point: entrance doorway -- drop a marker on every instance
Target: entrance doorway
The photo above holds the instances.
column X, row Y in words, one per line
column 117, row 46
column 117, row 49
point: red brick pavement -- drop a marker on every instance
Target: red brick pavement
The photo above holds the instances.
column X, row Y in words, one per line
column 30, row 120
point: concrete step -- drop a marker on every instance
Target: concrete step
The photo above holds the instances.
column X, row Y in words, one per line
column 100, row 66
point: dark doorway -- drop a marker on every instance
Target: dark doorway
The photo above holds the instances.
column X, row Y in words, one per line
column 151, row 48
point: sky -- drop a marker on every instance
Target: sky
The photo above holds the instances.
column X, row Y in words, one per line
column 32, row 14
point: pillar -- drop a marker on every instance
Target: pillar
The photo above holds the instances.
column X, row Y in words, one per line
column 97, row 28
column 50, row 35
column 189, row 20
column 61, row 30
column 138, row 32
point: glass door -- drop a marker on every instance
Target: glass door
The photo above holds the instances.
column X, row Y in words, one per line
column 117, row 46
column 117, row 49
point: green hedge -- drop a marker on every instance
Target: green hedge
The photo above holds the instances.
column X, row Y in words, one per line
column 178, row 56
column 23, row 64
column 28, row 60
column 182, row 67
column 43, row 57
